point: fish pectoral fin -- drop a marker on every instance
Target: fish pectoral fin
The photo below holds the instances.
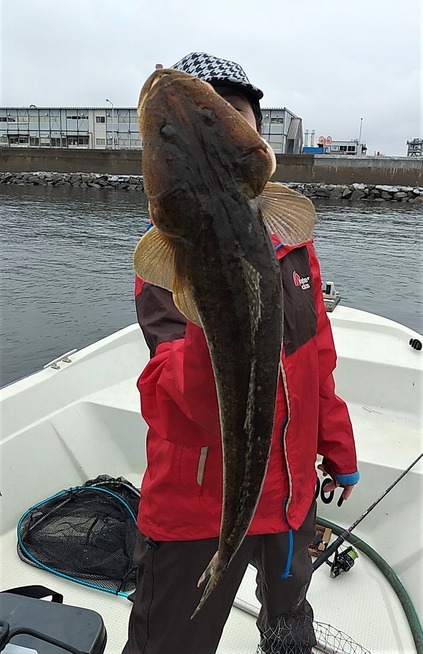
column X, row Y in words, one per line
column 154, row 259
column 287, row 214
column 183, row 300
column 155, row 262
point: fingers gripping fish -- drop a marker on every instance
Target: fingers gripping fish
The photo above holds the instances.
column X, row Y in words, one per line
column 206, row 175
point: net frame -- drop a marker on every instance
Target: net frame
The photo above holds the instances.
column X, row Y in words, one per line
column 97, row 524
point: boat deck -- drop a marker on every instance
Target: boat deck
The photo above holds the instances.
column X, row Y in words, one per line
column 351, row 604
column 86, row 417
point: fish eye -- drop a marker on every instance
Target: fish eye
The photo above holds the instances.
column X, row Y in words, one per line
column 168, row 132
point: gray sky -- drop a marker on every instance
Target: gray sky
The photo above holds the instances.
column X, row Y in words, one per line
column 332, row 62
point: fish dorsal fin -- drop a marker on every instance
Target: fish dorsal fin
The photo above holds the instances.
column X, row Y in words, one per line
column 154, row 259
column 287, row 214
column 155, row 262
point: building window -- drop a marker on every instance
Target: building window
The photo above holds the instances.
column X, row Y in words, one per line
column 56, row 142
column 100, row 119
column 34, row 141
column 3, row 119
column 276, row 146
column 18, row 140
column 275, row 129
column 78, row 141
column 100, row 141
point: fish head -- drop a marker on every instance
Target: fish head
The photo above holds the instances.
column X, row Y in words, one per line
column 194, row 143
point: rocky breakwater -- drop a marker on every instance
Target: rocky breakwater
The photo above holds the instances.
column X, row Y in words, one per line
column 79, row 180
column 358, row 192
column 342, row 192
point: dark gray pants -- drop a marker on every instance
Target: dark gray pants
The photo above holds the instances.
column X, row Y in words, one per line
column 167, row 594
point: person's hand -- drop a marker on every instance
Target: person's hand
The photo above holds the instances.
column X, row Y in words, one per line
column 334, row 484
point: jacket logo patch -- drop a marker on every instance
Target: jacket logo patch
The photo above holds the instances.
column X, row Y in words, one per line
column 301, row 281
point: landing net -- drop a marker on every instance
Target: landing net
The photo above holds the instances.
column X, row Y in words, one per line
column 85, row 534
column 299, row 634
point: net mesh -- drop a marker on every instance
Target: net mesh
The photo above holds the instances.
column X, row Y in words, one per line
column 299, row 634
column 331, row 640
column 87, row 533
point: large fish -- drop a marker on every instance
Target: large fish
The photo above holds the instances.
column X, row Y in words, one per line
column 206, row 175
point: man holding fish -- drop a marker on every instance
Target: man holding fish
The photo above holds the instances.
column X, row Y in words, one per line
column 239, row 393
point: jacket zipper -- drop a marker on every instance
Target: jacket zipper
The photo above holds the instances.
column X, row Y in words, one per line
column 284, row 429
column 277, row 247
column 201, row 465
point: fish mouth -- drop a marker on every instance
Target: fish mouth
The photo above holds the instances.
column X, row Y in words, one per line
column 269, row 151
column 150, row 83
column 266, row 148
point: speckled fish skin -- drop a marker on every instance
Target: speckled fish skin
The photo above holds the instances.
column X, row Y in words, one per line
column 202, row 165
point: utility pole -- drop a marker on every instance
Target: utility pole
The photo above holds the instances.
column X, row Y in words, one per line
column 113, row 123
column 359, row 134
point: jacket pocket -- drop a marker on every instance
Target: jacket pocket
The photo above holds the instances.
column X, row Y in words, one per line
column 192, row 465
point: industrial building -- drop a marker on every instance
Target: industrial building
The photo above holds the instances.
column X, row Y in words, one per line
column 415, row 148
column 327, row 145
column 115, row 128
column 283, row 130
column 72, row 127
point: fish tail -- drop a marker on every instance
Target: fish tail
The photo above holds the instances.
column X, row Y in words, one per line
column 214, row 572
column 209, row 571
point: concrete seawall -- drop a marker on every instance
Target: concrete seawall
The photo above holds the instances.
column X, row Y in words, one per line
column 56, row 160
column 325, row 169
column 305, row 168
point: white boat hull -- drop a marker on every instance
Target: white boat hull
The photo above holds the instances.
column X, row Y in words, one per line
column 61, row 427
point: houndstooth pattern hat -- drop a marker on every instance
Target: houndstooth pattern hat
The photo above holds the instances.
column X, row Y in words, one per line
column 219, row 72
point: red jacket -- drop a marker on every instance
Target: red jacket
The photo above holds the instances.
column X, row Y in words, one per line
column 182, row 486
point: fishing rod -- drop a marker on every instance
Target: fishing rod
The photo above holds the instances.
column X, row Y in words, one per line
column 342, row 537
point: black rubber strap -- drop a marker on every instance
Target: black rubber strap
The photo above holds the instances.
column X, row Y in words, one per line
column 36, row 592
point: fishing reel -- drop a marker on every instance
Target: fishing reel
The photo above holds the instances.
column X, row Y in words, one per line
column 342, row 562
